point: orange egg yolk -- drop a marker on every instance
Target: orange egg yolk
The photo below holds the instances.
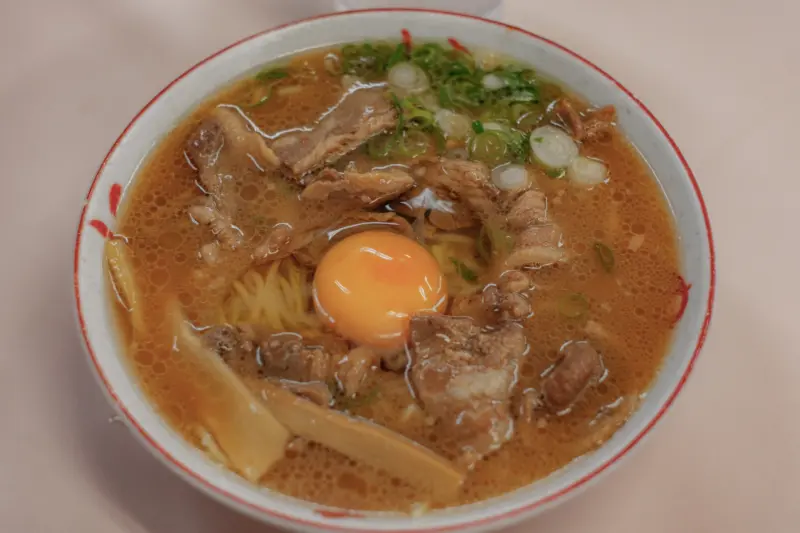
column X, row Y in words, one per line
column 368, row 285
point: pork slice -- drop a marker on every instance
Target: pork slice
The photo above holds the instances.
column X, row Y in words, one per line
column 283, row 240
column 537, row 246
column 284, row 355
column 468, row 182
column 454, row 219
column 464, row 376
column 222, row 141
column 580, row 367
column 528, row 209
column 353, row 369
column 226, row 339
column 570, row 116
column 505, row 301
column 593, row 125
column 220, row 148
column 367, row 188
column 599, row 123
column 506, row 306
column 243, row 140
column 443, row 213
column 360, row 115
column 514, row 281
column 207, row 213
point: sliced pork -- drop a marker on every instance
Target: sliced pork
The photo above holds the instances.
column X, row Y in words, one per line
column 527, row 209
column 467, row 181
column 283, row 356
column 464, row 376
column 218, row 148
column 537, row 246
column 360, row 115
column 221, row 143
column 222, row 227
column 593, row 125
column 367, row 188
column 280, row 243
column 505, row 301
column 580, row 367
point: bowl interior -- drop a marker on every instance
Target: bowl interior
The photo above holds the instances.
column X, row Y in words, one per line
column 172, row 104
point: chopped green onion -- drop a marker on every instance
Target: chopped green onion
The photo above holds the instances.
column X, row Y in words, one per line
column 380, row 147
column 510, row 177
column 587, row 172
column 489, row 147
column 557, row 149
column 477, row 127
column 605, row 255
column 523, row 96
column 556, row 173
column 518, row 142
column 272, row 74
column 408, row 78
column 413, row 143
column 400, row 119
column 465, row 92
column 367, row 60
column 428, row 55
column 498, row 143
column 444, row 98
column 463, row 270
column 517, row 111
column 528, row 119
column 453, row 125
column 409, row 143
column 493, row 240
column 397, row 56
column 263, row 99
column 415, row 114
column 573, row 305
column 441, row 142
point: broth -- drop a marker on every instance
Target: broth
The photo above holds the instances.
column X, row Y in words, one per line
column 625, row 309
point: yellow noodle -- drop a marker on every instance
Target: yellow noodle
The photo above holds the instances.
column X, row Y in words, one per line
column 446, row 252
column 454, row 238
column 277, row 299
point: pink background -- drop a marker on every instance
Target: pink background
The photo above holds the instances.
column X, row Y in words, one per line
column 722, row 76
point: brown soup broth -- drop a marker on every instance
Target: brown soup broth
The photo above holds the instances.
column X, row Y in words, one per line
column 631, row 307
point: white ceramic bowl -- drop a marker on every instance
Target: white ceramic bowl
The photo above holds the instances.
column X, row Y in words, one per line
column 202, row 80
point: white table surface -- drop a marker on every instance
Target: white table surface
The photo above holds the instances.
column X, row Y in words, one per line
column 723, row 77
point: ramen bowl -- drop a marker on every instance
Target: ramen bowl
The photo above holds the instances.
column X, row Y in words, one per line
column 98, row 222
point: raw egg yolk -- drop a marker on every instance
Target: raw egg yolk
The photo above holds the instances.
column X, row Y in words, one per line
column 368, row 285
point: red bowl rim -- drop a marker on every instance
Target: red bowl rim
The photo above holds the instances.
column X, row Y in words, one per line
column 257, row 510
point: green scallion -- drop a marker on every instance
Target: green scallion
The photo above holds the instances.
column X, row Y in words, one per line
column 272, row 74
column 463, row 270
column 605, row 255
